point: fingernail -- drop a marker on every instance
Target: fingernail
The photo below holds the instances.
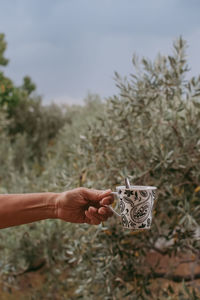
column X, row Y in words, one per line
column 107, row 191
column 92, row 209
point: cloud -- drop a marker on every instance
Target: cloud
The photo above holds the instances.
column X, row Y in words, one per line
column 70, row 46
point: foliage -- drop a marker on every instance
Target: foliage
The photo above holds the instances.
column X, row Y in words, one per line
column 150, row 132
column 3, row 45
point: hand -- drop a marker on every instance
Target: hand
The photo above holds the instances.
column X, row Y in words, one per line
column 82, row 205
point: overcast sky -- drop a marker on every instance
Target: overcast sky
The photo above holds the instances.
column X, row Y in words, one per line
column 70, row 47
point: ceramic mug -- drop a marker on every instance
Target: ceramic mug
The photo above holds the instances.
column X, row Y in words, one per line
column 136, row 204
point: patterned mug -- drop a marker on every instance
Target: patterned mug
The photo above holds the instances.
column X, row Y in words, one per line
column 136, row 204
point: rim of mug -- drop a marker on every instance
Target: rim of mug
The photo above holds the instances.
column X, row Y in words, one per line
column 138, row 187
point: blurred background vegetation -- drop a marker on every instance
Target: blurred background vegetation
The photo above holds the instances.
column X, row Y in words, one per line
column 149, row 131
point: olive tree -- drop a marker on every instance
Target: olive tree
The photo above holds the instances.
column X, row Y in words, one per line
column 149, row 132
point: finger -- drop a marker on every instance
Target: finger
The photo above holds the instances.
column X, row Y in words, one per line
column 107, row 200
column 106, row 211
column 95, row 195
column 95, row 222
column 104, row 194
column 87, row 220
column 93, row 212
column 93, row 219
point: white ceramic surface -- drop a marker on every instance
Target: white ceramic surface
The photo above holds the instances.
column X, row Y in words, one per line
column 136, row 204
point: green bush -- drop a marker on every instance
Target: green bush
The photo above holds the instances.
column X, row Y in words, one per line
column 150, row 132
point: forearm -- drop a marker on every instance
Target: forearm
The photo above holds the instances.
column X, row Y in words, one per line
column 17, row 209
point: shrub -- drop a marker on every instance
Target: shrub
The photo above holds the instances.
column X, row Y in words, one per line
column 150, row 132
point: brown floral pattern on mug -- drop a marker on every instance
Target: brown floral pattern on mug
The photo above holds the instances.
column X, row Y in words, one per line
column 140, row 212
column 124, row 221
column 122, row 206
column 136, row 207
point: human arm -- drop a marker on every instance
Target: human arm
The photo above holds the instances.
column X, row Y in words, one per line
column 79, row 205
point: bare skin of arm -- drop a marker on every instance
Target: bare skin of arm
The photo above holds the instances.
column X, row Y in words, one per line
column 79, row 205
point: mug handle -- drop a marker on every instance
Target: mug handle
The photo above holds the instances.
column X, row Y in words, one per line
column 111, row 208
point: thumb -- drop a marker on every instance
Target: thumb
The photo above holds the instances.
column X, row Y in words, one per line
column 96, row 195
column 104, row 194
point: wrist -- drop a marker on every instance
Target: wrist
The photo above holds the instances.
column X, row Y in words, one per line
column 52, row 205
